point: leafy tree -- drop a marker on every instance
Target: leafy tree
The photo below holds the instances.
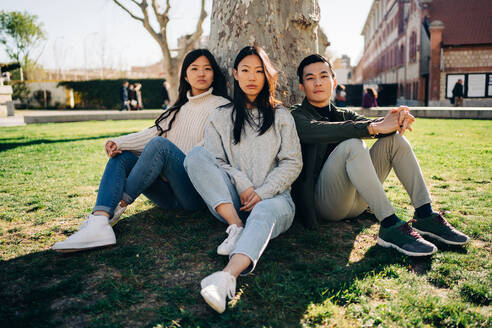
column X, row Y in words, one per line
column 21, row 34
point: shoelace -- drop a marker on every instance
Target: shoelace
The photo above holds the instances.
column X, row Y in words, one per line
column 231, row 231
column 407, row 229
column 440, row 218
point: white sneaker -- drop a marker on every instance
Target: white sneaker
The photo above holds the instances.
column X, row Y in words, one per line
column 216, row 288
column 117, row 215
column 95, row 232
column 228, row 245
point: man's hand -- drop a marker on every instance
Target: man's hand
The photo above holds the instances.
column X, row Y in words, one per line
column 249, row 198
column 405, row 119
column 112, row 149
column 398, row 119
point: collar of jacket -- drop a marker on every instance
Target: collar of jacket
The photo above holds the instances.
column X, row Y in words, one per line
column 314, row 110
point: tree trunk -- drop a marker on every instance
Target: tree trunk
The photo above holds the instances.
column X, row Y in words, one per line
column 286, row 29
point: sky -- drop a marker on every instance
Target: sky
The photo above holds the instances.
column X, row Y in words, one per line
column 95, row 33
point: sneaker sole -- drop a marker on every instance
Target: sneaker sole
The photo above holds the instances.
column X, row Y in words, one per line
column 449, row 242
column 210, row 300
column 84, row 247
column 386, row 244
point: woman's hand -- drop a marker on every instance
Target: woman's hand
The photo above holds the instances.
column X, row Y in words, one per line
column 249, row 198
column 112, row 149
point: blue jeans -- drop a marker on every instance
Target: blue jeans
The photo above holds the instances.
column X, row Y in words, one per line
column 268, row 219
column 127, row 176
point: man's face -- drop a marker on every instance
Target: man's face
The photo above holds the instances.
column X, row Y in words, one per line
column 318, row 83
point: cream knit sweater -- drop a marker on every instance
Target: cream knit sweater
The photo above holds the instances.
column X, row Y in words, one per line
column 187, row 130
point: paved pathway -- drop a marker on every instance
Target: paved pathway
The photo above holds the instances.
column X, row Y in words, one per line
column 23, row 117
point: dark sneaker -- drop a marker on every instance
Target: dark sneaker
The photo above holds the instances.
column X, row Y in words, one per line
column 437, row 227
column 406, row 240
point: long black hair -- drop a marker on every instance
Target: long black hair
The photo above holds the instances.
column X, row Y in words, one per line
column 219, row 86
column 265, row 101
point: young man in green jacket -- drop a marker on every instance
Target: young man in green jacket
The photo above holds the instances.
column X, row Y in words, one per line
column 341, row 177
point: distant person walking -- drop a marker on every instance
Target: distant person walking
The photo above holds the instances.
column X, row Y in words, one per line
column 369, row 98
column 165, row 95
column 124, row 96
column 458, row 93
column 340, row 96
column 138, row 90
column 132, row 97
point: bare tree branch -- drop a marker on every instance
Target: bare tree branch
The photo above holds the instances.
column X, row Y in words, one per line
column 128, row 11
column 191, row 39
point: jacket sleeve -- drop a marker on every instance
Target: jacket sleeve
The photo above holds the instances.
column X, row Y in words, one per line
column 213, row 143
column 289, row 159
column 313, row 131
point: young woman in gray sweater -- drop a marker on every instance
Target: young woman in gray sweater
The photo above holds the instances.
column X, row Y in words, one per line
column 151, row 161
column 251, row 156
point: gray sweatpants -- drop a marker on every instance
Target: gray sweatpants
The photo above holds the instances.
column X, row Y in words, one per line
column 352, row 176
column 268, row 219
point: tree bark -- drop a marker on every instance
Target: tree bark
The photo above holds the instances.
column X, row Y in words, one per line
column 287, row 30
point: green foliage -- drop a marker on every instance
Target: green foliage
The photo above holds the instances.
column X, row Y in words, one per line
column 20, row 91
column 20, row 34
column 107, row 93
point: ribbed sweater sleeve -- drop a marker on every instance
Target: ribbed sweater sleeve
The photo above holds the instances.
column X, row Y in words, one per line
column 187, row 129
column 135, row 142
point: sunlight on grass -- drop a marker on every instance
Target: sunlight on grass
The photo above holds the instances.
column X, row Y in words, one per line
column 334, row 277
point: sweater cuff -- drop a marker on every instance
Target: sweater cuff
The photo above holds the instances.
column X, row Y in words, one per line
column 263, row 193
column 242, row 185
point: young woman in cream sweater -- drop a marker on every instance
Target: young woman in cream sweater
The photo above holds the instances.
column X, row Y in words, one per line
column 151, row 161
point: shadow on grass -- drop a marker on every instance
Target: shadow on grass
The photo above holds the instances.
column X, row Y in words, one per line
column 152, row 276
column 12, row 145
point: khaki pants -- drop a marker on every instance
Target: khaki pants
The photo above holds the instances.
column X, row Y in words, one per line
column 352, row 176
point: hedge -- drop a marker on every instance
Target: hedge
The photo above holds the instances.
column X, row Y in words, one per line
column 105, row 94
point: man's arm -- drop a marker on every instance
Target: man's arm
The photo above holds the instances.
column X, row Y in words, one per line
column 313, row 131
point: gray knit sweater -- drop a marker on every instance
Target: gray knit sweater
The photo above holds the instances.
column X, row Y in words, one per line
column 270, row 162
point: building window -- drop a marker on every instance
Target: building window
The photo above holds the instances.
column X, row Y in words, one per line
column 412, row 55
column 402, row 55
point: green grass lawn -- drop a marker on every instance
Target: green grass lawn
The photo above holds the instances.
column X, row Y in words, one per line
column 334, row 277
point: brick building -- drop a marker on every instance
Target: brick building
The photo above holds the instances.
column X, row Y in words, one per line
column 425, row 46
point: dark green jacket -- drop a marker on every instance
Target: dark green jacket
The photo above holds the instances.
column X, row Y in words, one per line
column 319, row 136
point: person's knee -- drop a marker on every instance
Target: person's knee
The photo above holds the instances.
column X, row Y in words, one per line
column 157, row 143
column 397, row 140
column 401, row 140
column 122, row 158
column 194, row 157
column 353, row 145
